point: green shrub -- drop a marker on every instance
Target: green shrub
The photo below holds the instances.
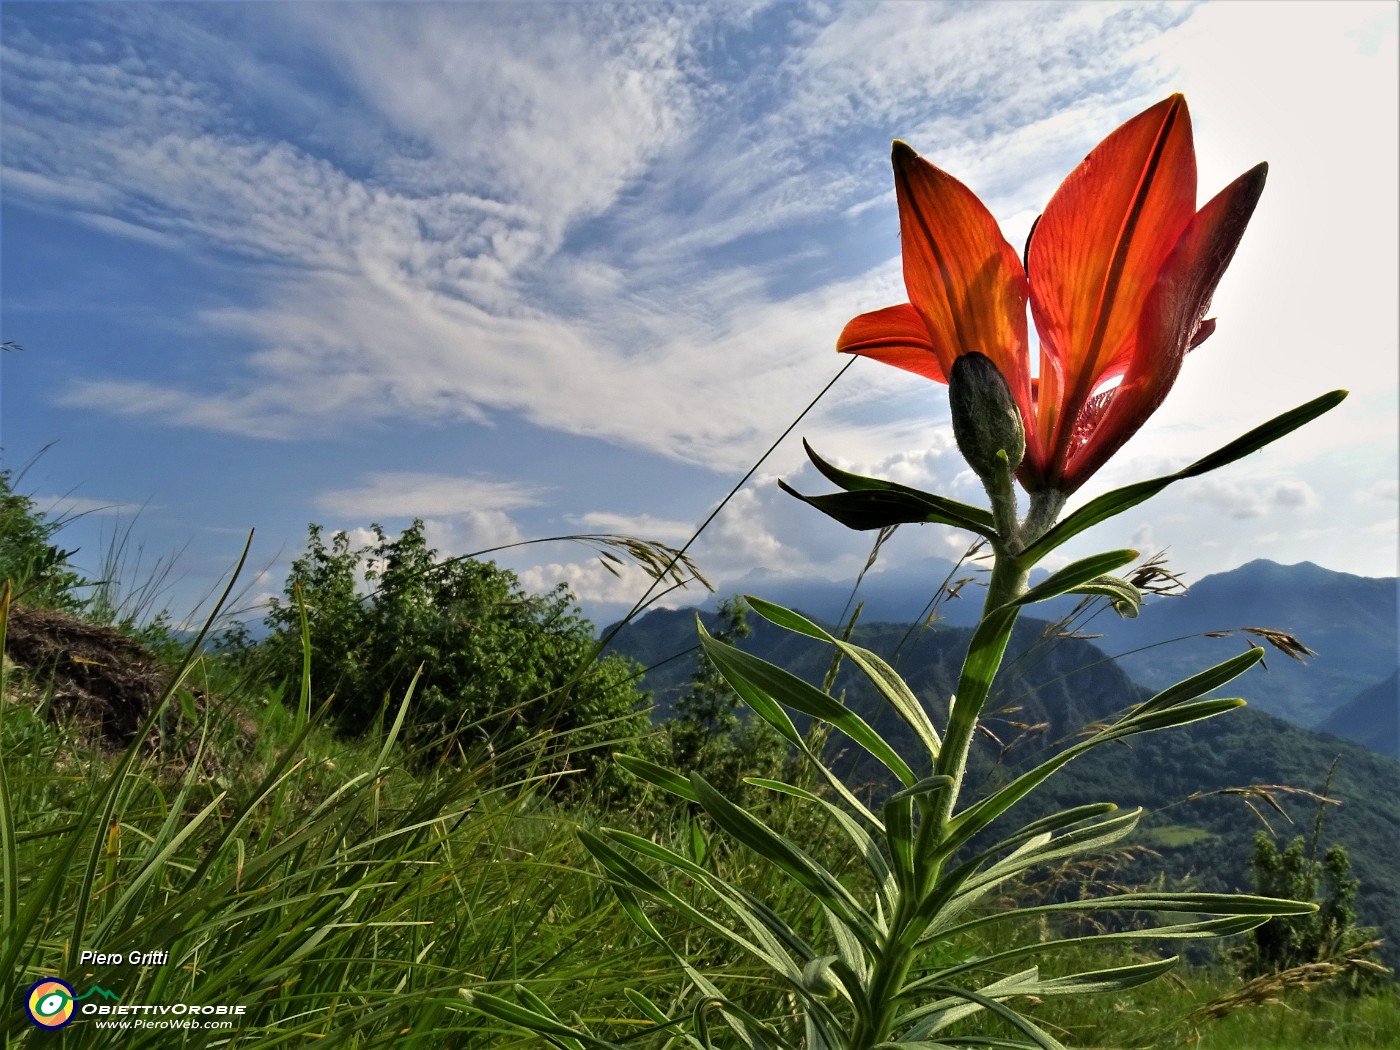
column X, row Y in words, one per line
column 503, row 671
column 1328, row 934
column 36, row 568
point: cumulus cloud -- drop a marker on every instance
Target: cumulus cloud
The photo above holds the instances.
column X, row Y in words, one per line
column 1241, row 500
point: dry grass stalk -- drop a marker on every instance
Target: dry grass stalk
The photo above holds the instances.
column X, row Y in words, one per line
column 1265, row 990
column 1266, row 792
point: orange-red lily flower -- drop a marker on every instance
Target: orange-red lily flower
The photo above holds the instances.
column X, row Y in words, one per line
column 1119, row 271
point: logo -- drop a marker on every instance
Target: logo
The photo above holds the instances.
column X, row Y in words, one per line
column 50, row 1004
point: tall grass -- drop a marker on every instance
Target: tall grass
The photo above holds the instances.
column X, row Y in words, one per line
column 347, row 893
column 342, row 899
column 332, row 889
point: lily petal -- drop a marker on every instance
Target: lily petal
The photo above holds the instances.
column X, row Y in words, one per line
column 963, row 278
column 895, row 335
column 1096, row 253
column 1172, row 320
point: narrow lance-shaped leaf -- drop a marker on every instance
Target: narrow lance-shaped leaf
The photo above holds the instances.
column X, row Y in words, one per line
column 761, row 921
column 980, row 814
column 881, row 674
column 860, row 838
column 743, row 670
column 659, row 776
column 866, row 511
column 1076, row 574
column 975, row 518
column 558, row 1034
column 1201, row 683
column 1125, row 598
column 943, row 1012
column 764, row 841
column 1119, row 500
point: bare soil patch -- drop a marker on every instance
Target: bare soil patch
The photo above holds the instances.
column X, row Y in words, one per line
column 103, row 682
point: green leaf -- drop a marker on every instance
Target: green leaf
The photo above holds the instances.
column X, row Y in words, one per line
column 1220, row 926
column 765, row 924
column 662, row 777
column 1113, row 979
column 1119, row 500
column 1266, row 434
column 627, row 876
column 899, row 834
column 1203, row 682
column 865, row 845
column 1076, row 574
column 964, row 515
column 1043, row 848
column 938, row 1015
column 884, row 677
column 977, row 816
column 783, row 854
column 1224, row 904
column 984, row 654
column 851, row 966
column 757, row 917
column 1180, row 715
column 1040, row 1038
column 1033, row 845
column 1123, row 596
column 866, row 511
column 741, row 669
column 558, row 1034
column 926, row 786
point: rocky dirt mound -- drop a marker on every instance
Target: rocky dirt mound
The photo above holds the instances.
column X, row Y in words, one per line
column 103, row 682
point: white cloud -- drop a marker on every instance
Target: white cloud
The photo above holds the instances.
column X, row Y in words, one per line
column 472, row 532
column 416, row 291
column 640, row 526
column 587, row 219
column 426, row 496
column 1386, row 490
column 1241, row 499
column 607, row 584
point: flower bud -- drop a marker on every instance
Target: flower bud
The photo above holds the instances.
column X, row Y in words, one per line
column 985, row 417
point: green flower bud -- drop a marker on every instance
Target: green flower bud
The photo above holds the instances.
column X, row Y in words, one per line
column 985, row 417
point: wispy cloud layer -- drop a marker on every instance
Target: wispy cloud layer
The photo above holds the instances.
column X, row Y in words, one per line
column 532, row 220
column 646, row 224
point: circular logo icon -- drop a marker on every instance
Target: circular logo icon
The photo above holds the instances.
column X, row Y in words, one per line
column 50, row 1004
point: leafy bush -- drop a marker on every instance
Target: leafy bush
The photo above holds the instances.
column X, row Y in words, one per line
column 501, row 670
column 36, row 568
column 1327, row 934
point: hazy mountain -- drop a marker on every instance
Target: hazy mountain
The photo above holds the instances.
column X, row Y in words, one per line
column 1349, row 621
column 1197, row 782
column 1373, row 718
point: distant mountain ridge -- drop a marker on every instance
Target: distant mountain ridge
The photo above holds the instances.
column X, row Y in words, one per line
column 1196, row 782
column 1372, row 719
column 1349, row 621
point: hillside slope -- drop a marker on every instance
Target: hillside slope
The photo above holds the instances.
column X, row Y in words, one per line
column 1372, row 719
column 1203, row 785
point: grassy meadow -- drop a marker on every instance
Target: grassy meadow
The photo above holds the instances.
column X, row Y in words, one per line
column 331, row 885
column 344, row 896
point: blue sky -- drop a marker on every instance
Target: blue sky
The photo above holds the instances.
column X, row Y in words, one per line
column 531, row 269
